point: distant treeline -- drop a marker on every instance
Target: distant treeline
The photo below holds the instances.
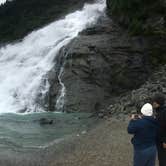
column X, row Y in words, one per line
column 19, row 17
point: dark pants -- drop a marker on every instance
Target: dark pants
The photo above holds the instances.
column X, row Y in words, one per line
column 161, row 155
column 145, row 157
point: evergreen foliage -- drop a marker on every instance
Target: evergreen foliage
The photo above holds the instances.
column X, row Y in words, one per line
column 19, row 17
column 136, row 12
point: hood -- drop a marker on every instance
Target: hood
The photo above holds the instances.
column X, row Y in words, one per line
column 147, row 109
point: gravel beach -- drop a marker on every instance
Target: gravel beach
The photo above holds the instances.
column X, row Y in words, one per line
column 106, row 145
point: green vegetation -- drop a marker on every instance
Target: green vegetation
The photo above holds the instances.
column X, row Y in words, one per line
column 145, row 18
column 135, row 14
column 19, row 17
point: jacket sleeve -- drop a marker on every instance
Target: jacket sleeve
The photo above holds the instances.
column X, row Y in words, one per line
column 163, row 128
column 133, row 126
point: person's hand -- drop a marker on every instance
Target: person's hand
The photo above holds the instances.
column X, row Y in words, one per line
column 164, row 145
column 132, row 117
column 139, row 116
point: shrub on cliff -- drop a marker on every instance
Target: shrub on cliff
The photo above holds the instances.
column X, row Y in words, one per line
column 143, row 17
column 136, row 14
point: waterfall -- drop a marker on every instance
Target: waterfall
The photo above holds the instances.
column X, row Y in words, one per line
column 24, row 65
column 60, row 103
column 2, row 1
column 61, row 99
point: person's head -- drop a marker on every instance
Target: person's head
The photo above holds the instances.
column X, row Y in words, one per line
column 147, row 109
column 158, row 100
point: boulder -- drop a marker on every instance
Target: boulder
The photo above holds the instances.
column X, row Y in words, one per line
column 45, row 121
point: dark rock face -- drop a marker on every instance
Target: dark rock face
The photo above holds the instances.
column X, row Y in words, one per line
column 107, row 66
column 149, row 23
column 102, row 62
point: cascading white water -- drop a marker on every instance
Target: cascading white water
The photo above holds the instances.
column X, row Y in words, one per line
column 61, row 99
column 24, row 65
column 2, row 1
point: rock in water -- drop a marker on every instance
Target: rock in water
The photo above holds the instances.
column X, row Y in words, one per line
column 45, row 121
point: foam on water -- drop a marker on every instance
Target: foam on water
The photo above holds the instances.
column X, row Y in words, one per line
column 24, row 65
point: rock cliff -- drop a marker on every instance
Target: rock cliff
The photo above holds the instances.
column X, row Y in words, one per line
column 110, row 66
column 102, row 62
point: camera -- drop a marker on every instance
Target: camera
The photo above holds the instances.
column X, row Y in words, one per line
column 135, row 116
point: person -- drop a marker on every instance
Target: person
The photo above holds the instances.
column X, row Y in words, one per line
column 144, row 128
column 158, row 103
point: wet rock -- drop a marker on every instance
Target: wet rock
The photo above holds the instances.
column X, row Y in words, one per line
column 101, row 115
column 45, row 121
